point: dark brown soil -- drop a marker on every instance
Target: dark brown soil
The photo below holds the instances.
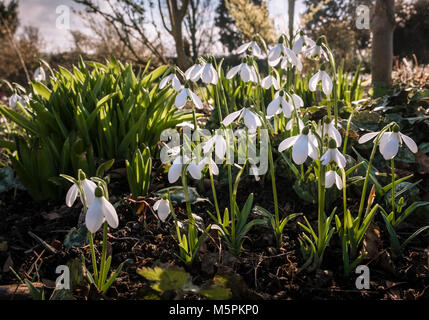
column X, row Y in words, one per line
column 141, row 240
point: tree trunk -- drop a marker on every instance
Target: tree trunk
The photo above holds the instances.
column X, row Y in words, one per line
column 291, row 11
column 383, row 23
column 176, row 18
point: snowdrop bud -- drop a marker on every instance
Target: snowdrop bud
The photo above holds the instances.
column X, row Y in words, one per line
column 332, row 144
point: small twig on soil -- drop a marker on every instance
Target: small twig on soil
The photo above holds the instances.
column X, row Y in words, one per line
column 43, row 242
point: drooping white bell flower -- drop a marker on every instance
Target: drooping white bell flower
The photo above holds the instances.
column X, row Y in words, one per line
column 390, row 141
column 16, row 98
column 332, row 177
column 247, row 72
column 297, row 101
column 186, row 124
column 331, row 131
column 278, row 105
column 209, row 74
column 275, row 54
column 175, row 170
column 255, row 49
column 270, row 81
column 316, row 51
column 88, row 187
column 99, row 211
column 290, row 56
column 323, row 76
column 219, row 142
column 173, row 80
column 193, row 73
column 39, row 74
column 301, row 42
column 208, row 162
column 182, row 98
column 251, row 119
column 303, row 147
column 162, row 206
column 333, row 155
column 292, row 122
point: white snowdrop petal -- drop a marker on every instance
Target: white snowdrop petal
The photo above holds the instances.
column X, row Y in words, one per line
column 300, row 150
column 175, row 83
column 338, row 181
column 243, row 47
column 89, row 187
column 220, row 149
column 389, row 149
column 94, row 216
column 181, row 98
column 299, row 103
column 231, row 73
column 329, row 179
column 312, row 84
column 367, row 137
column 326, row 83
column 410, row 143
column 195, row 99
column 194, row 171
column 339, row 158
column 208, row 145
column 286, row 107
column 231, row 117
column 164, row 81
column 163, row 210
column 72, row 195
column 245, row 73
column 287, row 143
column 326, row 158
column 156, row 205
column 273, row 107
column 109, row 213
column 174, row 173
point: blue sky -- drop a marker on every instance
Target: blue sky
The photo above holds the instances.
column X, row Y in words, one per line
column 42, row 14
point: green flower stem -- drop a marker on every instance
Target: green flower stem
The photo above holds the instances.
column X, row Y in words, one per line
column 103, row 257
column 276, row 204
column 321, row 205
column 215, row 197
column 393, row 187
column 93, row 258
column 186, row 193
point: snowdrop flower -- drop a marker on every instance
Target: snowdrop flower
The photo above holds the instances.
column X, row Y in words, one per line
column 279, row 104
column 251, row 120
column 16, row 98
column 175, row 170
column 390, row 141
column 39, row 74
column 162, row 206
column 300, row 42
column 326, row 82
column 297, row 101
column 331, row 131
column 254, row 47
column 290, row 56
column 208, row 161
column 292, row 122
column 247, row 72
column 316, row 50
column 182, row 98
column 254, row 172
column 270, row 81
column 275, row 54
column 99, row 211
column 333, row 155
column 209, row 74
column 302, row 146
column 88, row 187
column 173, row 80
column 220, row 145
column 332, row 177
column 194, row 73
